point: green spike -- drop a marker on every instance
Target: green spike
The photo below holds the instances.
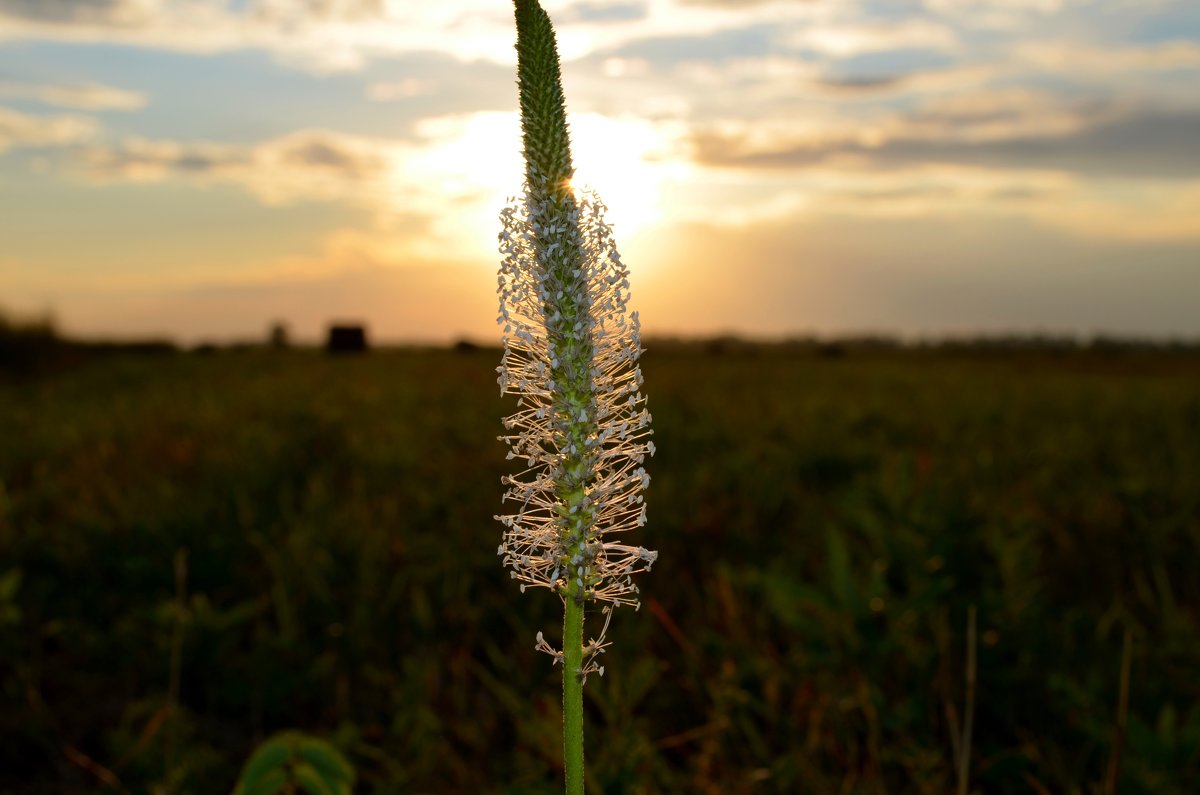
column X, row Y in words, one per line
column 543, row 108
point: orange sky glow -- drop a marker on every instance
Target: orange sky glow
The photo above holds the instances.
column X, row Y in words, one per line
column 200, row 170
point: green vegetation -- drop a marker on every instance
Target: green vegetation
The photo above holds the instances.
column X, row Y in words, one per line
column 31, row 346
column 825, row 523
column 291, row 763
column 571, row 348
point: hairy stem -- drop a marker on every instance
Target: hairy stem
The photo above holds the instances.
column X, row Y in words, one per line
column 548, row 171
column 573, row 695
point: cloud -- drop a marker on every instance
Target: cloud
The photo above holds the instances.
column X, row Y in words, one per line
column 195, row 26
column 602, row 12
column 85, row 96
column 1104, row 206
column 344, row 158
column 456, row 172
column 977, row 6
column 303, row 166
column 144, row 13
column 995, row 115
column 448, row 173
column 1006, row 16
column 927, row 190
column 735, row 4
column 1005, row 128
column 301, row 12
column 770, row 74
column 317, row 35
column 847, row 40
column 1148, row 143
column 1077, row 57
column 143, row 160
column 407, row 88
column 944, row 272
column 918, row 81
column 861, row 84
column 740, row 199
column 111, row 13
column 24, row 130
column 1091, row 167
column 783, row 87
column 702, row 46
column 344, row 35
column 1167, row 210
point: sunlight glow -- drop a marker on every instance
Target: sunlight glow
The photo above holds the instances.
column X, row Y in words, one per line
column 471, row 165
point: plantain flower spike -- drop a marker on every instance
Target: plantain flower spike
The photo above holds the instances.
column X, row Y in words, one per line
column 571, row 350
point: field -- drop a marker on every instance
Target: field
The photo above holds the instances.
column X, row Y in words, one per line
column 199, row 550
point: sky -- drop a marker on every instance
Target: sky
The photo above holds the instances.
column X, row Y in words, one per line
column 201, row 169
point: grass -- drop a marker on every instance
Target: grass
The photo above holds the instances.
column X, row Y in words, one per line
column 825, row 525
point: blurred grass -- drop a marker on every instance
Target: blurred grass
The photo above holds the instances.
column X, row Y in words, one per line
column 824, row 525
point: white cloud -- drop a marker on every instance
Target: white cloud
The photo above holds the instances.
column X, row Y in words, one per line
column 968, row 6
column 971, row 117
column 456, row 174
column 302, row 166
column 111, row 13
column 400, row 89
column 850, row 39
column 993, row 115
column 999, row 15
column 1075, row 57
column 342, row 35
column 1140, row 211
column 320, row 35
column 85, row 96
column 25, row 130
column 302, row 12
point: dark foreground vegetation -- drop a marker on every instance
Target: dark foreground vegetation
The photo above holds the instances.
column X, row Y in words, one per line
column 198, row 551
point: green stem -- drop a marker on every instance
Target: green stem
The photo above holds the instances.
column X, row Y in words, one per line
column 548, row 169
column 573, row 694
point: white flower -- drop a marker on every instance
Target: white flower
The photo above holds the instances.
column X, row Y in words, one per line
column 571, row 354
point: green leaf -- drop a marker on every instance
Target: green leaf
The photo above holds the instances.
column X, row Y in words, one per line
column 839, row 569
column 271, row 783
column 1166, row 723
column 315, row 765
column 312, row 782
column 271, row 757
column 328, row 762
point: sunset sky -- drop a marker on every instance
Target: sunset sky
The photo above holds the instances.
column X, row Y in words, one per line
column 200, row 168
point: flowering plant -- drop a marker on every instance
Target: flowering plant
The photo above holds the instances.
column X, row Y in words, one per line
column 571, row 350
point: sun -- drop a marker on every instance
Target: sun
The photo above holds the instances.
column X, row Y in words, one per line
column 618, row 159
column 470, row 165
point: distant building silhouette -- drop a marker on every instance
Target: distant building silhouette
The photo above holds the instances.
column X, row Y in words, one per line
column 346, row 338
column 278, row 337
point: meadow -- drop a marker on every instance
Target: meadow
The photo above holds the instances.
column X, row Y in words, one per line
column 198, row 550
